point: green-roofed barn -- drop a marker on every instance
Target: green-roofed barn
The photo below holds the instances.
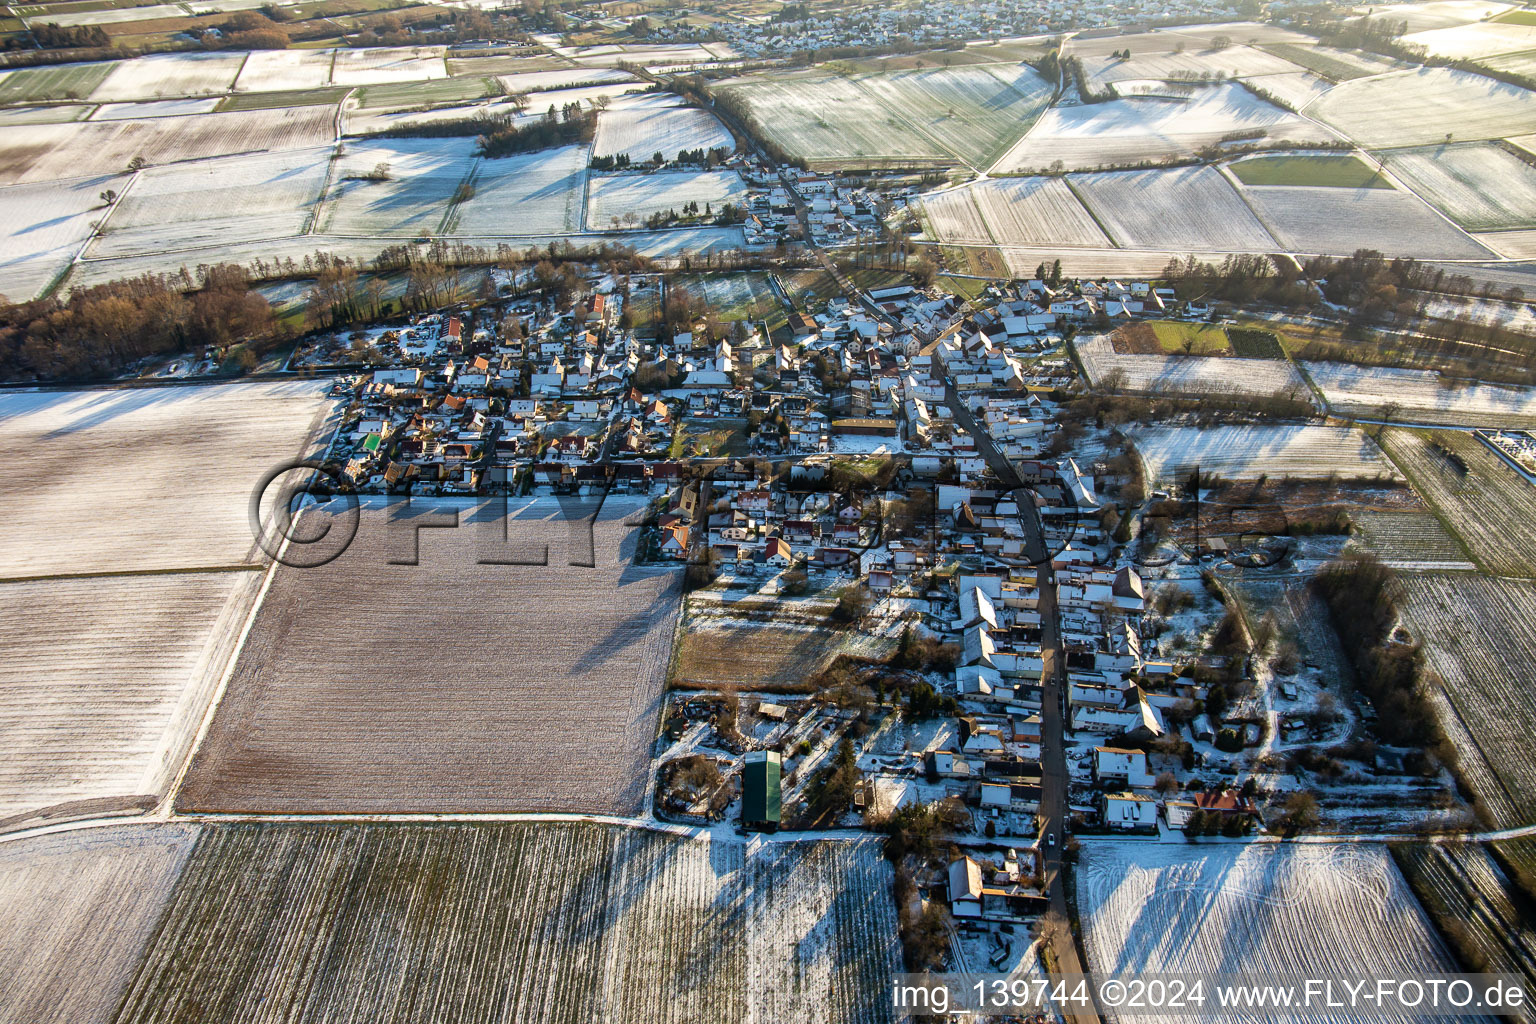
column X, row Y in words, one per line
column 761, row 797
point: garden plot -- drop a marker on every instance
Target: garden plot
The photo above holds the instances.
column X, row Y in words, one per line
column 828, row 120
column 1338, row 221
column 541, row 689
column 423, row 175
column 285, row 70
column 51, row 151
column 144, row 479
column 153, row 108
column 1254, row 909
column 543, row 923
column 1480, row 186
column 1132, row 130
column 565, row 78
column 383, row 65
column 1036, row 211
column 1477, row 495
column 41, row 229
column 1176, row 375
column 1421, row 396
column 1476, row 636
column 105, row 682
column 1245, row 453
column 1189, row 208
column 975, row 112
column 80, row 909
column 1232, row 62
column 614, row 197
column 170, row 75
column 206, row 202
column 642, row 126
column 1416, row 108
column 58, row 82
column 737, row 652
column 525, row 194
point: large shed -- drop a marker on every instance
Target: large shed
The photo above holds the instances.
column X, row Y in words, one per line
column 761, row 796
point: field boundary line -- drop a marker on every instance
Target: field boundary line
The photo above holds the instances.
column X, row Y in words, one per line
column 191, row 570
column 1089, row 210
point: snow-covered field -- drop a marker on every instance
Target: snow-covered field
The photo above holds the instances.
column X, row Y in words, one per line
column 51, row 151
column 388, row 64
column 104, row 682
column 41, row 228
column 206, row 202
column 423, row 175
column 1035, row 211
column 570, row 922
column 153, row 108
column 1416, row 108
column 641, row 126
column 1232, row 62
column 1244, row 453
column 1188, row 208
column 1022, row 261
column 148, row 478
column 953, row 216
column 1259, row 909
column 1338, row 221
column 1421, row 396
column 1422, row 17
column 169, row 75
column 1129, row 130
column 616, row 195
column 1210, row 375
column 282, row 70
column 541, row 81
column 975, row 112
column 79, row 909
column 1482, row 186
column 1481, row 39
column 527, row 193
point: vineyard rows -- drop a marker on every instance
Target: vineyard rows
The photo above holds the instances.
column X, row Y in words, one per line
column 1476, row 633
column 1463, row 891
column 1409, row 539
column 518, row 923
column 79, row 908
column 1252, row 908
column 1421, row 396
column 148, row 478
column 1187, row 375
column 450, row 685
column 1477, row 495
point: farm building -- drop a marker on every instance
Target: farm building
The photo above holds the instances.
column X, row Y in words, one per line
column 761, row 802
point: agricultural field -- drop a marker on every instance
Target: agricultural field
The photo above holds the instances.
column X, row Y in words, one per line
column 953, row 216
column 1021, row 261
column 418, row 93
column 1314, row 170
column 1332, row 64
column 1252, row 908
column 1474, row 906
column 1186, row 375
column 170, row 75
column 724, row 651
column 1517, row 63
column 1232, row 62
column 1428, row 105
column 1411, row 539
column 333, row 707
column 57, row 82
column 1246, row 453
column 80, row 910
column 206, row 202
column 570, row 923
column 1480, row 186
column 153, row 108
column 1471, row 628
column 565, row 78
column 382, row 65
column 41, row 229
column 102, row 718
column 830, row 121
column 1482, row 39
column 1036, row 211
column 1295, row 90
column 524, row 194
column 975, row 112
column 285, row 70
column 116, row 473
column 53, row 114
column 1477, row 495
column 53, row 151
column 642, row 126
column 1422, row 17
column 1188, row 208
column 1420, row 396
column 613, row 197
column 363, row 122
column 1338, row 221
column 423, row 175
column 290, row 98
column 1131, row 130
